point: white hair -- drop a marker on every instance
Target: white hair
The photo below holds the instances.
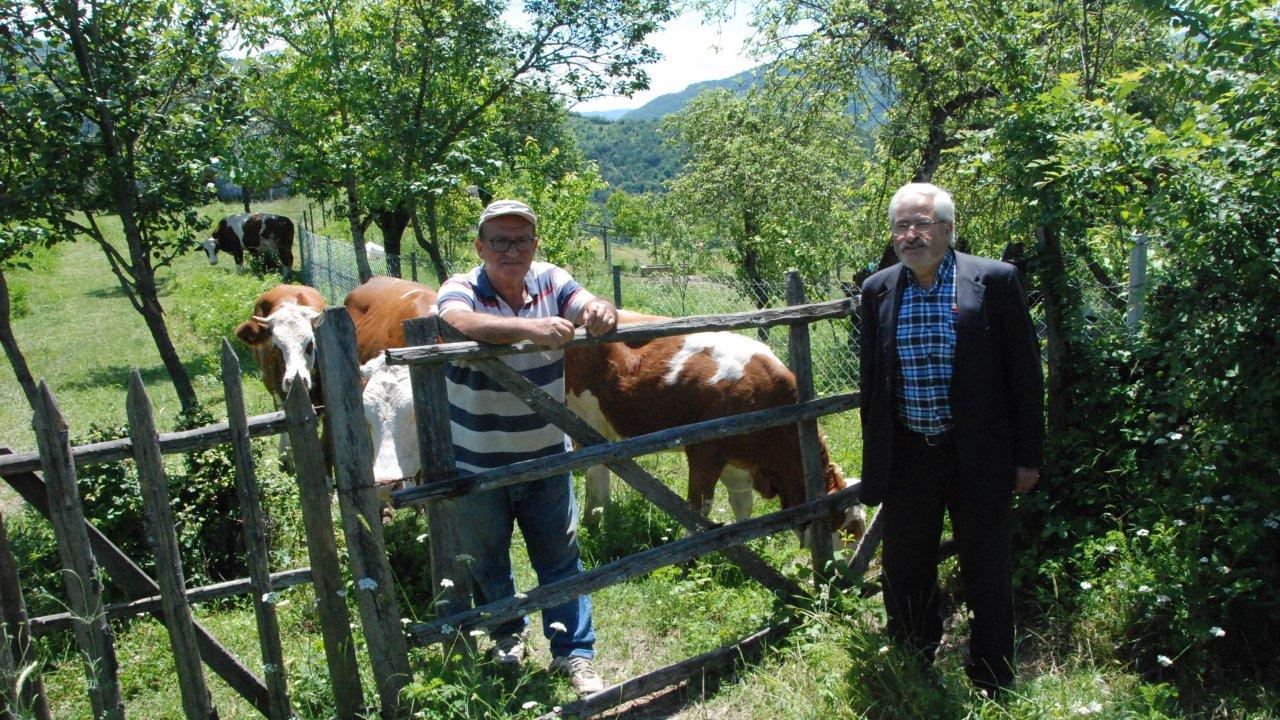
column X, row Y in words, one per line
column 944, row 207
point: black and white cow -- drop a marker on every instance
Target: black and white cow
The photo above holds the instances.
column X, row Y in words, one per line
column 270, row 236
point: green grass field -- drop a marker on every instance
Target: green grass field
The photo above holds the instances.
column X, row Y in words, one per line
column 82, row 336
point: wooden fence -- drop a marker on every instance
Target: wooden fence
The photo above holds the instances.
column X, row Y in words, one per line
column 83, row 550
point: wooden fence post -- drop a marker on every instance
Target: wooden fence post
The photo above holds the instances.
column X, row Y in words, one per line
column 196, row 702
column 819, row 530
column 79, row 568
column 256, row 542
column 326, row 573
column 435, row 444
column 352, row 452
column 16, row 651
column 617, row 286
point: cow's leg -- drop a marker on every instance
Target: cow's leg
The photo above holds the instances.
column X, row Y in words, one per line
column 285, row 450
column 741, row 491
column 705, row 466
column 598, row 494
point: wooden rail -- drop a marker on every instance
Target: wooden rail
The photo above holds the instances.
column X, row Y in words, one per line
column 174, row 442
column 472, row 351
column 593, row 455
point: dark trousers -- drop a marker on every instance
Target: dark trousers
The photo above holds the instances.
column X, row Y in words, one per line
column 927, row 480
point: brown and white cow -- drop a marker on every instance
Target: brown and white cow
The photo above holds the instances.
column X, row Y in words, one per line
column 270, row 236
column 281, row 333
column 379, row 308
column 629, row 389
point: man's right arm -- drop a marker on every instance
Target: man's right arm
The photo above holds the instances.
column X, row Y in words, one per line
column 549, row 332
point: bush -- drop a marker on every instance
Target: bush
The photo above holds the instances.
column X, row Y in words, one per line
column 214, row 302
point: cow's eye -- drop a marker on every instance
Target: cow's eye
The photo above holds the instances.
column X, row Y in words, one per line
column 310, row 348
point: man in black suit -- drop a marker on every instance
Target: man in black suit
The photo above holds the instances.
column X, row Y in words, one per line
column 952, row 419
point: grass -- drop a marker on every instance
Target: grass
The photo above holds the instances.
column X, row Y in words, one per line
column 83, row 336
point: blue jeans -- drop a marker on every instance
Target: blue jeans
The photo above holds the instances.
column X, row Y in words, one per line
column 548, row 518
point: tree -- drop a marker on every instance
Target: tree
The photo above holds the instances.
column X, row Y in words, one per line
column 678, row 241
column 398, row 101
column 115, row 109
column 775, row 185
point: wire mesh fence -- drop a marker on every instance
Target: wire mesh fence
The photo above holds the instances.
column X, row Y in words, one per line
column 329, row 265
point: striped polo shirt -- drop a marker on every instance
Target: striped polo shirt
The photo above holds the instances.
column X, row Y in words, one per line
column 926, row 350
column 491, row 427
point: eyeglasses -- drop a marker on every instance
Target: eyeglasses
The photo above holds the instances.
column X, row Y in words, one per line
column 920, row 226
column 501, row 245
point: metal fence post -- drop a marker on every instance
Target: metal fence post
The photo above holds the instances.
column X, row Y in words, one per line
column 1137, row 280
column 617, row 285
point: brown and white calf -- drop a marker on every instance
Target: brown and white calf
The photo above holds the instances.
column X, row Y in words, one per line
column 629, row 389
column 379, row 308
column 281, row 333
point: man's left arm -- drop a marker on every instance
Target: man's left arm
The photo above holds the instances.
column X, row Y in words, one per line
column 1026, row 383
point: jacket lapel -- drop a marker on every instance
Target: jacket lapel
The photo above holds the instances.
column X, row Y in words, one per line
column 890, row 301
column 969, row 294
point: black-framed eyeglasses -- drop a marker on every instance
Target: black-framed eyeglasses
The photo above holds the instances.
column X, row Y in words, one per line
column 920, row 226
column 501, row 245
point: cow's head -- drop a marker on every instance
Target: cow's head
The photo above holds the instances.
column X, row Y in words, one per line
column 392, row 421
column 848, row 526
column 210, row 247
column 291, row 329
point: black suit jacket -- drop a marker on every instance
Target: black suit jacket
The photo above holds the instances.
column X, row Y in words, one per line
column 997, row 388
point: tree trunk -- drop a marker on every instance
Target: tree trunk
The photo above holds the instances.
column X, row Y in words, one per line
column 392, row 223
column 357, row 228
column 431, row 244
column 246, row 194
column 153, row 314
column 16, row 360
column 1053, row 275
column 751, row 268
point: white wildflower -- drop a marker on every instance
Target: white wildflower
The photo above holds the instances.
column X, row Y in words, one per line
column 1203, row 559
column 1179, row 522
column 422, row 537
column 1086, row 585
column 1224, row 569
column 884, row 650
column 446, row 583
column 476, row 633
column 1110, row 548
column 1144, row 589
column 1206, row 500
column 1164, row 660
column 1226, row 498
column 1162, row 599
column 558, row 627
column 367, row 583
column 1143, row 532
column 1217, row 631
column 1175, row 436
column 529, row 705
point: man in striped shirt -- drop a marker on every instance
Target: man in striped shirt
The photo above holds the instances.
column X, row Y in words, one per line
column 952, row 422
column 507, row 299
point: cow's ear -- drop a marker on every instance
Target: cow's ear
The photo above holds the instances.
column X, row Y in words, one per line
column 315, row 316
column 252, row 332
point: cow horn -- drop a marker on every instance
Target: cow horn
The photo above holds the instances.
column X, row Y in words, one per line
column 262, row 320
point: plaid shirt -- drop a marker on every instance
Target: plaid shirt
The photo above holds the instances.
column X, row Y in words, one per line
column 926, row 350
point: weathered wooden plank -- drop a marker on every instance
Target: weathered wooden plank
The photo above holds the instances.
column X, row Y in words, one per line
column 740, row 652
column 279, row 581
column 18, row 653
column 322, row 549
column 720, row 539
column 79, row 568
column 170, row 443
column 810, row 441
column 631, row 447
column 866, row 550
column 257, row 543
column 130, row 578
column 360, row 508
column 631, row 333
column 435, row 443
column 650, row 487
column 196, row 702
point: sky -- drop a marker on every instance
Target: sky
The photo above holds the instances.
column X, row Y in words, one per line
column 691, row 52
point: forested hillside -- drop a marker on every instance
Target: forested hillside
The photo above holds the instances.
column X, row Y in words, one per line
column 632, row 154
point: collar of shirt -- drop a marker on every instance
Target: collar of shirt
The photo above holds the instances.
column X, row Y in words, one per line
column 945, row 276
column 484, row 287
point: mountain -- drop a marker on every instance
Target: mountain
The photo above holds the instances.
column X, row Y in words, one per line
column 631, row 154
column 603, row 114
column 664, row 105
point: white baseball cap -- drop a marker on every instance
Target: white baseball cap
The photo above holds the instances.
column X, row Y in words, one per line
column 498, row 208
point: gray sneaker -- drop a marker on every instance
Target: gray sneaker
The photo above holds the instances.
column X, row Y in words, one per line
column 508, row 650
column 583, row 675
